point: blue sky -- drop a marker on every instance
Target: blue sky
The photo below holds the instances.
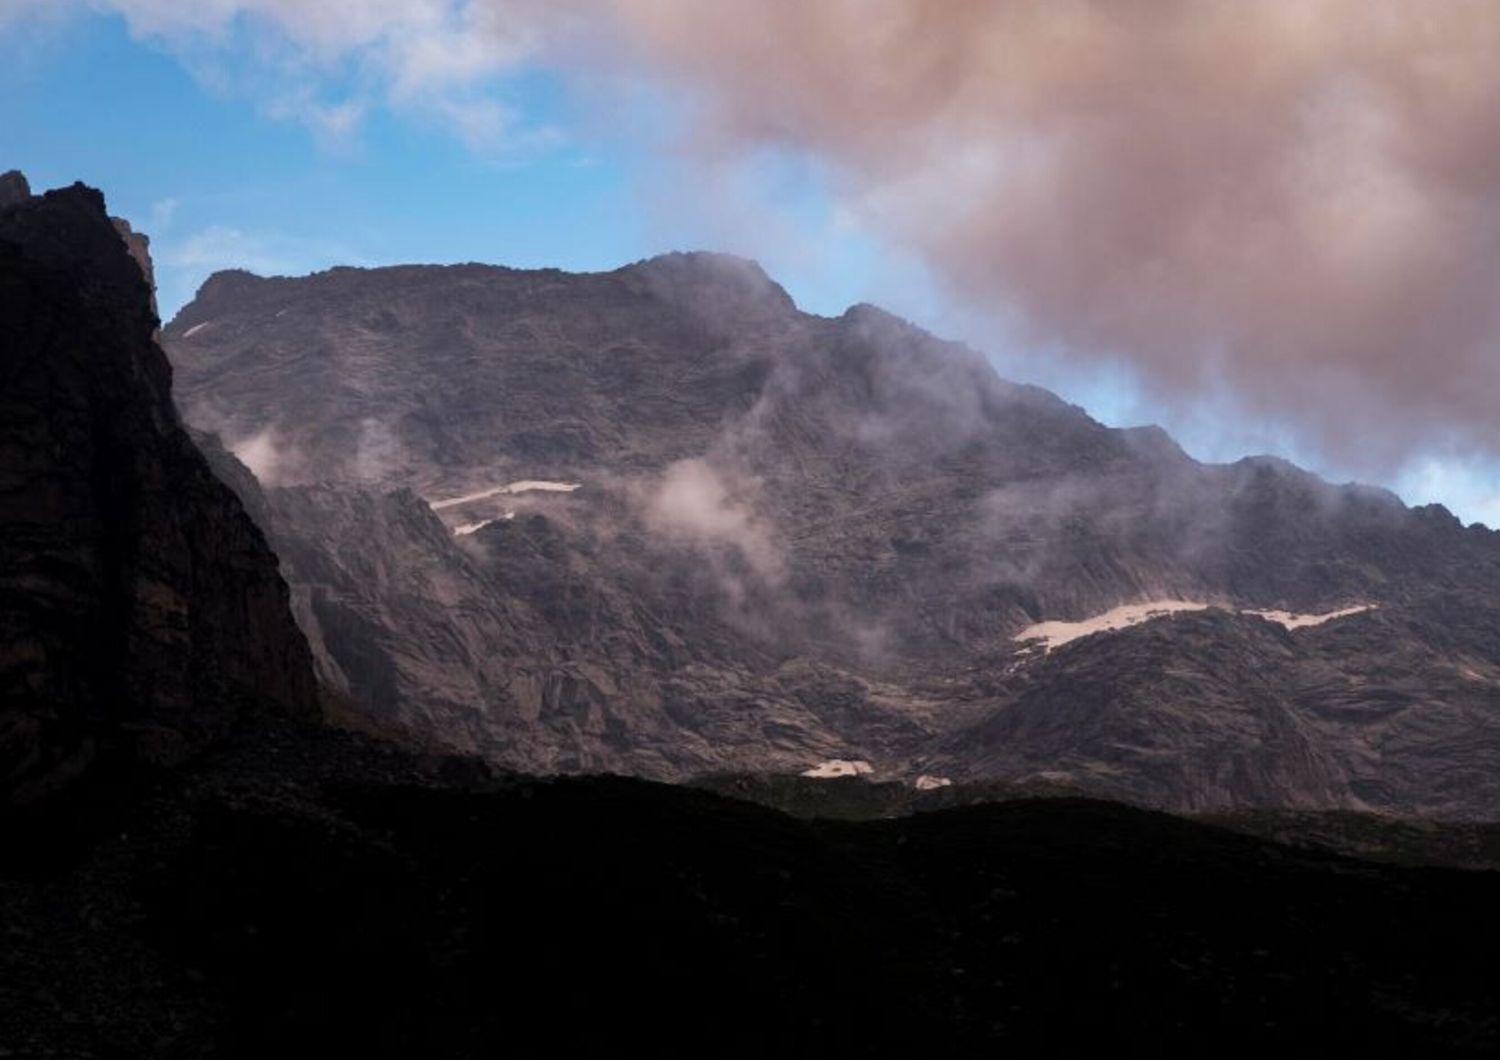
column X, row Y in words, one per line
column 218, row 179
column 205, row 149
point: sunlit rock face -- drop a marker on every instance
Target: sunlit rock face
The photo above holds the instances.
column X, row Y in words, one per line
column 657, row 520
column 141, row 611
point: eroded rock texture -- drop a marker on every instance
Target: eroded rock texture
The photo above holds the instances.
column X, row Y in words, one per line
column 797, row 538
column 141, row 611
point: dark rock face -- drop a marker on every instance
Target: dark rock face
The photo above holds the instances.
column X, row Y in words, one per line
column 141, row 612
column 14, row 188
column 1393, row 709
column 139, row 245
column 307, row 893
column 798, row 538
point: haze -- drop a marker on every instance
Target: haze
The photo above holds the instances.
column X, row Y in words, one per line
column 1265, row 226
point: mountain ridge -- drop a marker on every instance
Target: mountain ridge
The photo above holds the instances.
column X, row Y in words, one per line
column 1148, row 434
column 799, row 538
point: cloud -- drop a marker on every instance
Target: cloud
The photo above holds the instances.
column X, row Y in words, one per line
column 1293, row 204
column 1288, row 209
column 379, row 454
column 326, row 64
column 695, row 503
column 261, row 447
column 262, row 454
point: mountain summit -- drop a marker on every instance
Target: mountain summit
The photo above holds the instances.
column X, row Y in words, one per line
column 657, row 520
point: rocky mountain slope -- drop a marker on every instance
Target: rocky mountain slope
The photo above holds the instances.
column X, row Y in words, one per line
column 141, row 612
column 659, row 521
column 274, row 887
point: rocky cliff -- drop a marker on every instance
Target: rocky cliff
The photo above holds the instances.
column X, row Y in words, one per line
column 141, row 611
column 729, row 535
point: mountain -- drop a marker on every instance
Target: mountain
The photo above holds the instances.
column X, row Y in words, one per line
column 659, row 521
column 142, row 613
column 192, row 864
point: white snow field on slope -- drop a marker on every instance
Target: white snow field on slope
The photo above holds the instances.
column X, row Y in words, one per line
column 927, row 782
column 1056, row 634
column 1292, row 620
column 465, row 529
column 509, row 489
column 839, row 767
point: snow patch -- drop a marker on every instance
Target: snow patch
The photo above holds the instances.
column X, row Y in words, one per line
column 465, row 529
column 931, row 783
column 540, row 486
column 1056, row 634
column 1292, row 620
column 839, row 767
column 509, row 489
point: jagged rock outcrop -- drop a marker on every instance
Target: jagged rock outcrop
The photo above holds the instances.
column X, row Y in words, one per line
column 14, row 188
column 139, row 245
column 141, row 612
column 797, row 538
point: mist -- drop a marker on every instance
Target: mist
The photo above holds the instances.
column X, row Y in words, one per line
column 694, row 503
column 1289, row 204
column 1285, row 210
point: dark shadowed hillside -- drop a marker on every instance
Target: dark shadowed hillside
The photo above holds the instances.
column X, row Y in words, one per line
column 293, row 894
column 722, row 534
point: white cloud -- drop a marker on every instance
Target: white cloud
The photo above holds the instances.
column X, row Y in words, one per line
column 163, row 213
column 261, row 453
column 693, row 502
column 325, row 63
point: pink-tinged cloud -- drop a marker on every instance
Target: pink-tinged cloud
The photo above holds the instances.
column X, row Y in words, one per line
column 1294, row 202
column 1291, row 203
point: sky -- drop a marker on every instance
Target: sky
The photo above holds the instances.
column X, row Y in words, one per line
column 1268, row 234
